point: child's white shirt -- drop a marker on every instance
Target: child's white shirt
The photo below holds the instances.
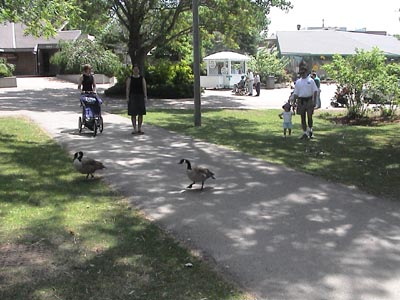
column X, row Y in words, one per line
column 287, row 116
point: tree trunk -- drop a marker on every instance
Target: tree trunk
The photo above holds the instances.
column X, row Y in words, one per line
column 136, row 49
column 138, row 57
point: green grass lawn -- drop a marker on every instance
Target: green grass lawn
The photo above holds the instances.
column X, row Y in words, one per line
column 364, row 156
column 64, row 237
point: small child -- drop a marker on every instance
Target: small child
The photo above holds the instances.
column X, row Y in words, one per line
column 286, row 115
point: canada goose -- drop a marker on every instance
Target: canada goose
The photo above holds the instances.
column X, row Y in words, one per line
column 86, row 165
column 197, row 174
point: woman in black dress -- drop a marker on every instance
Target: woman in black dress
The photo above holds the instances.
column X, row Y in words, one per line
column 136, row 96
column 86, row 81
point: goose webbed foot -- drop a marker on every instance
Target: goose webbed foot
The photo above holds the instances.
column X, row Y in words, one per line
column 190, row 185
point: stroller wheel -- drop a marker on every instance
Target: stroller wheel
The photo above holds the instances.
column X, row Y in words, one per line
column 101, row 124
column 80, row 125
column 95, row 125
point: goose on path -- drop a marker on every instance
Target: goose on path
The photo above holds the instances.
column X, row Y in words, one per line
column 196, row 174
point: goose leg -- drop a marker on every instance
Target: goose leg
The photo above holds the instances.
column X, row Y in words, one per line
column 87, row 176
column 190, row 185
column 202, row 184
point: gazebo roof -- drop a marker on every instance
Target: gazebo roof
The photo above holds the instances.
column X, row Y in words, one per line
column 227, row 55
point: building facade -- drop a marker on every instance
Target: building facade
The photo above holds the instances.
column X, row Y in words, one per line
column 31, row 55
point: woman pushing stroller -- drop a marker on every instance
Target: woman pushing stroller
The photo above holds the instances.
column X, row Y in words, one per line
column 91, row 111
column 86, row 83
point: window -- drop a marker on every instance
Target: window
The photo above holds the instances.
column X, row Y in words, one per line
column 237, row 67
column 218, row 69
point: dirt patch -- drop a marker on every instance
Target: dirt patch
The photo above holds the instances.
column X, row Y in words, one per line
column 23, row 255
column 368, row 121
column 22, row 266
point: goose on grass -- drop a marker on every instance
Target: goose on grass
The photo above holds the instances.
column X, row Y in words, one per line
column 86, row 165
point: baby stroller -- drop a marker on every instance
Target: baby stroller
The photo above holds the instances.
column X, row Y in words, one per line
column 91, row 113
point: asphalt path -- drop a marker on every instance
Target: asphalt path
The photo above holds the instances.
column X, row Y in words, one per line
column 280, row 234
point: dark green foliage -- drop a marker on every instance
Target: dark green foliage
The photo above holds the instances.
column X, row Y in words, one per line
column 73, row 55
column 170, row 80
column 6, row 69
column 166, row 72
column 164, row 80
column 171, row 92
column 116, row 90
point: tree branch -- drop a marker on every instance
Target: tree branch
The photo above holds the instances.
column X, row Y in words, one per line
column 116, row 7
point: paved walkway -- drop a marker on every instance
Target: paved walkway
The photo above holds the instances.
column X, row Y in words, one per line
column 226, row 99
column 280, row 234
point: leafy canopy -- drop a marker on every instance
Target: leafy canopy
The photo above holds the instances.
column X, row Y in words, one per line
column 147, row 24
column 42, row 17
column 152, row 23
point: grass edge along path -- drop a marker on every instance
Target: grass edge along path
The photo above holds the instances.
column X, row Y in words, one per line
column 362, row 156
column 64, row 237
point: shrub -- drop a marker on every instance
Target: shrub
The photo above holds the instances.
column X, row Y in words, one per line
column 268, row 63
column 119, row 88
column 160, row 73
column 6, row 69
column 369, row 80
column 123, row 73
column 73, row 55
column 164, row 80
column 170, row 80
column 171, row 92
column 116, row 90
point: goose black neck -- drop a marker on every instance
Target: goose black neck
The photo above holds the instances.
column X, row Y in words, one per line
column 80, row 155
column 189, row 166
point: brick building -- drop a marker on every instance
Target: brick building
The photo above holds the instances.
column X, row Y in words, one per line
column 31, row 55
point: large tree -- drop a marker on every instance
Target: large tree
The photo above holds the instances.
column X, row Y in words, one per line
column 148, row 23
column 152, row 23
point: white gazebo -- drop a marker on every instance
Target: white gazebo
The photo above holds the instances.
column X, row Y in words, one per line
column 224, row 69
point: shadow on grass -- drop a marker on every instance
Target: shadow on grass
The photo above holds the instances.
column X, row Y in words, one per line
column 142, row 263
column 65, row 237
